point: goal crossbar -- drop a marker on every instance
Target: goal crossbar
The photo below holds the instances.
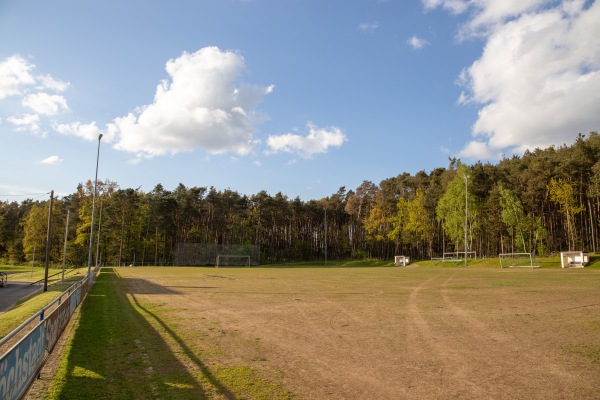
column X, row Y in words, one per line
column 225, row 260
column 518, row 260
column 401, row 261
column 458, row 255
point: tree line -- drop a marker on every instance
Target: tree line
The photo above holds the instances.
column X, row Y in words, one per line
column 545, row 201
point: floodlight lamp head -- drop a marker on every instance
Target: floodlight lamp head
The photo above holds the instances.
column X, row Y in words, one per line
column 99, row 137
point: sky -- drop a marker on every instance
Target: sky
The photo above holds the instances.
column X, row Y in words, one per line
column 300, row 97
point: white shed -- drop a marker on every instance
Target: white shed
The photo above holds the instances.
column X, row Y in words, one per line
column 574, row 259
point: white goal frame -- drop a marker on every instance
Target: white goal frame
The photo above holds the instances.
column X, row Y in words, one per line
column 225, row 256
column 401, row 261
column 458, row 255
column 508, row 256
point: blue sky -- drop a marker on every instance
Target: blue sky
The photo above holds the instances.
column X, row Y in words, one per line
column 293, row 96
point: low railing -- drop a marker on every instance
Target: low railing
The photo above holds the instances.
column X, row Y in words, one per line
column 21, row 364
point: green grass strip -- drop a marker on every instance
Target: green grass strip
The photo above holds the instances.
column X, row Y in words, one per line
column 25, row 308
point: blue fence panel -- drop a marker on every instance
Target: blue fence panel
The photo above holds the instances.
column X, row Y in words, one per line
column 19, row 366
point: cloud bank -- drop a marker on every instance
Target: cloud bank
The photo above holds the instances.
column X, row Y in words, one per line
column 201, row 105
column 537, row 82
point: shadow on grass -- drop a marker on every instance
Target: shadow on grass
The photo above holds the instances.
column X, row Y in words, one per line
column 115, row 353
column 189, row 353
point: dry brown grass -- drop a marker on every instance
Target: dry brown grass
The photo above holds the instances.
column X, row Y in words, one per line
column 386, row 333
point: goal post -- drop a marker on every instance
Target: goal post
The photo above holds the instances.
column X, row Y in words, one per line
column 518, row 260
column 206, row 254
column 458, row 255
column 226, row 260
column 401, row 261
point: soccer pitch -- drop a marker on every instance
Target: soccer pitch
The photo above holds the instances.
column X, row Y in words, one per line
column 333, row 333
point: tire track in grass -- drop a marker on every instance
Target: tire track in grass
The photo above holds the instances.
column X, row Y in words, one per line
column 443, row 367
column 320, row 356
column 523, row 364
column 339, row 365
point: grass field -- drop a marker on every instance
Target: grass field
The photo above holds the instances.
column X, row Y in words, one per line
column 27, row 307
column 333, row 333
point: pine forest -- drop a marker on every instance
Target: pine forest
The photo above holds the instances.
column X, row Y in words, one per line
column 544, row 201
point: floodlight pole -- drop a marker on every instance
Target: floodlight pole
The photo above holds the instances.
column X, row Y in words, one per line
column 98, row 239
column 466, row 213
column 90, row 255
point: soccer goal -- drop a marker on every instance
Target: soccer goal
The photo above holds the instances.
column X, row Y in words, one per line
column 224, row 260
column 518, row 260
column 458, row 255
column 401, row 261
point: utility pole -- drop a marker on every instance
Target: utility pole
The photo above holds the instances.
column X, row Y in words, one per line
column 48, row 236
column 62, row 280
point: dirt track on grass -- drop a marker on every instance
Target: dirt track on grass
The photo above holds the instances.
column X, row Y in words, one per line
column 390, row 333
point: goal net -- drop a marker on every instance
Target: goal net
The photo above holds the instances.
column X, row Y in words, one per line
column 458, row 255
column 206, row 254
column 401, row 261
column 518, row 260
column 224, row 260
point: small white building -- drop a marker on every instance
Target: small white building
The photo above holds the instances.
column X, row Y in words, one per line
column 574, row 259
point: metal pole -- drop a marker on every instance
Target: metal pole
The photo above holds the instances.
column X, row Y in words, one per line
column 62, row 280
column 98, row 239
column 48, row 240
column 90, row 255
column 466, row 213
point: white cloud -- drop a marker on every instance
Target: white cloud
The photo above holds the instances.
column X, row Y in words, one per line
column 84, row 131
column 478, row 151
column 416, row 42
column 454, row 6
column 537, row 82
column 318, row 140
column 44, row 103
column 489, row 15
column 27, row 122
column 52, row 160
column 200, row 105
column 14, row 76
column 16, row 79
column 51, row 83
column 368, row 26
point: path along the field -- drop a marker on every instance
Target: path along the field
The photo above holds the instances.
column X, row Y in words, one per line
column 15, row 291
column 380, row 333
